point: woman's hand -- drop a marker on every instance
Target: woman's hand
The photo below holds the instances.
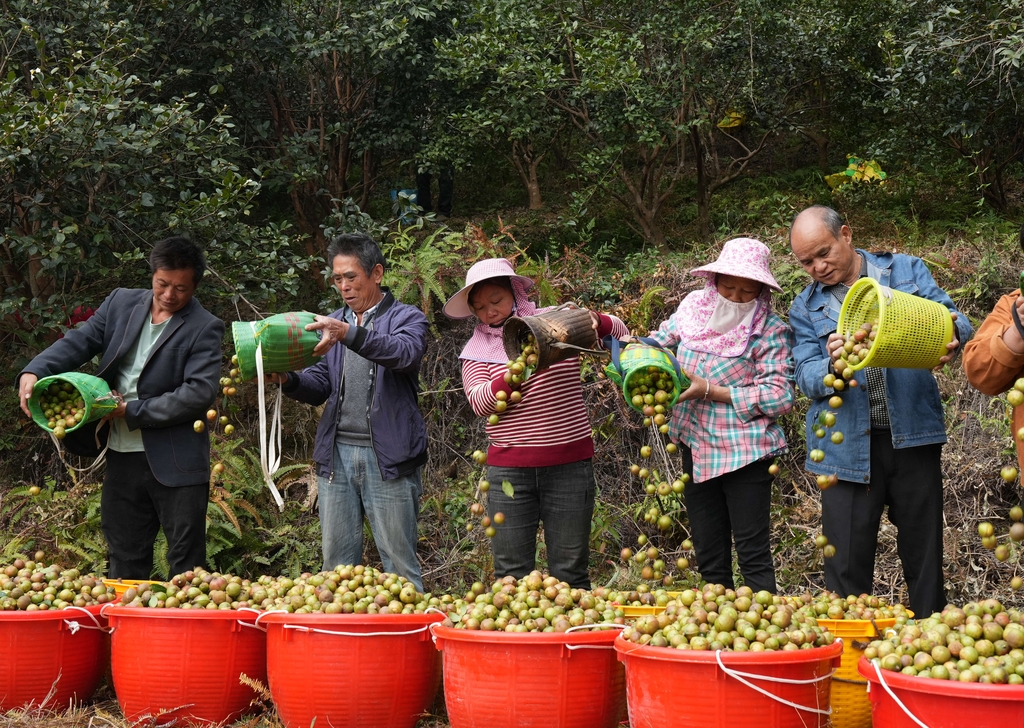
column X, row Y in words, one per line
column 698, row 389
column 834, row 347
column 1012, row 337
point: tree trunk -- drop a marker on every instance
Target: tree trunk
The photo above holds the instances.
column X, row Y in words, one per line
column 703, row 187
column 526, row 164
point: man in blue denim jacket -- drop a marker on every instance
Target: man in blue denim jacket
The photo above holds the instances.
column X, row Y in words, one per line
column 892, row 422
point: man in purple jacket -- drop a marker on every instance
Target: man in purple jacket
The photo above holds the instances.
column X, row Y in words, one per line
column 372, row 441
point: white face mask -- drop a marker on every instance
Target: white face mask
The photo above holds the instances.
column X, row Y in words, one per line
column 729, row 314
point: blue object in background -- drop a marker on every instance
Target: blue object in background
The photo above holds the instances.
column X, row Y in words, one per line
column 403, row 206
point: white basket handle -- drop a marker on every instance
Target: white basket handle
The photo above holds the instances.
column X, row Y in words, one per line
column 592, row 626
column 74, row 625
column 878, row 671
column 270, row 448
column 740, row 676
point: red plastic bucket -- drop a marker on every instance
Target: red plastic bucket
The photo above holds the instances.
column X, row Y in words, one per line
column 52, row 658
column 184, row 665
column 667, row 687
column 531, row 680
column 939, row 703
column 351, row 670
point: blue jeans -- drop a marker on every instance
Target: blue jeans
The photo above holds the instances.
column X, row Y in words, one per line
column 355, row 489
column 560, row 496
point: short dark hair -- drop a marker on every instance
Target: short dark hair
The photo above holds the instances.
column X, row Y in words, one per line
column 359, row 245
column 831, row 219
column 178, row 253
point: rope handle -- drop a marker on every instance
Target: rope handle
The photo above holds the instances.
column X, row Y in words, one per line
column 96, row 464
column 740, row 676
column 74, row 625
column 303, row 628
column 878, row 671
column 592, row 626
column 270, row 453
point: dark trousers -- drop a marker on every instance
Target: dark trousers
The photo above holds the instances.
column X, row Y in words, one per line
column 909, row 481
column 445, row 188
column 734, row 506
column 133, row 507
column 560, row 496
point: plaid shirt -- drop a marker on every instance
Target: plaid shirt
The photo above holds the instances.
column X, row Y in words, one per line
column 725, row 437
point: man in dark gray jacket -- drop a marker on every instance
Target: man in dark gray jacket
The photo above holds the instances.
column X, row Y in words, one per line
column 161, row 351
column 372, row 441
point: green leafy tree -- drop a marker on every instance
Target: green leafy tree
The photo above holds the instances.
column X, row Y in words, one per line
column 956, row 77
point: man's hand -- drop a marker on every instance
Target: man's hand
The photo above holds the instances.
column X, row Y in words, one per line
column 278, row 378
column 332, row 330
column 117, row 412
column 952, row 346
column 25, row 386
column 834, row 346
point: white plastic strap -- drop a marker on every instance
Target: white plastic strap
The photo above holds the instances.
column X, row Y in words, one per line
column 878, row 671
column 593, row 626
column 95, row 465
column 741, row 675
column 74, row 625
column 270, row 448
column 302, row 628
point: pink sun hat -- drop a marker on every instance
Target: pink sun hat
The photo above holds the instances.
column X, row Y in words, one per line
column 744, row 258
column 457, row 306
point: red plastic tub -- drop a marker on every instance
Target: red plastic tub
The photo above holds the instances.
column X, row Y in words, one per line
column 940, row 703
column 51, row 659
column 668, row 688
column 184, row 665
column 351, row 670
column 531, row 680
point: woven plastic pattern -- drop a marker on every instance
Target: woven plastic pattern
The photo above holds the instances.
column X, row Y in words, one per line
column 640, row 358
column 912, row 331
column 94, row 392
column 287, row 346
column 851, row 707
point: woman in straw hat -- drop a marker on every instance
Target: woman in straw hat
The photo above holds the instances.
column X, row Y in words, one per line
column 541, row 443
column 737, row 354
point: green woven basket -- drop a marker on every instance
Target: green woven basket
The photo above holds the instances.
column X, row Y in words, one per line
column 286, row 345
column 646, row 357
column 95, row 393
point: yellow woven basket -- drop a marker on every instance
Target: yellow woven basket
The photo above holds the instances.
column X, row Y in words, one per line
column 912, row 331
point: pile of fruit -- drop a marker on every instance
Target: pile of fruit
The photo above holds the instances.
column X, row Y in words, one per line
column 717, row 618
column 535, row 603
column 650, row 391
column 343, row 590
column 63, row 406
column 829, row 605
column 856, row 347
column 981, row 642
column 33, row 585
column 642, row 596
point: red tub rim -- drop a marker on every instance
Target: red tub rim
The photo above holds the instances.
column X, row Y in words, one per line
column 833, row 651
column 604, row 635
column 319, row 619
column 67, row 614
column 949, row 688
column 118, row 611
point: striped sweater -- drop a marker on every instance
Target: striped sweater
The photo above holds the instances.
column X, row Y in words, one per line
column 550, row 425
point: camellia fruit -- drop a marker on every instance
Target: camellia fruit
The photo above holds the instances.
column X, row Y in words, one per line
column 499, row 518
column 645, row 451
column 829, row 551
column 211, row 415
column 626, row 554
column 837, row 438
column 1016, row 513
column 773, row 469
column 835, row 401
column 229, row 429
column 1015, row 397
column 986, row 529
column 1008, row 473
column 1016, row 583
column 198, row 425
